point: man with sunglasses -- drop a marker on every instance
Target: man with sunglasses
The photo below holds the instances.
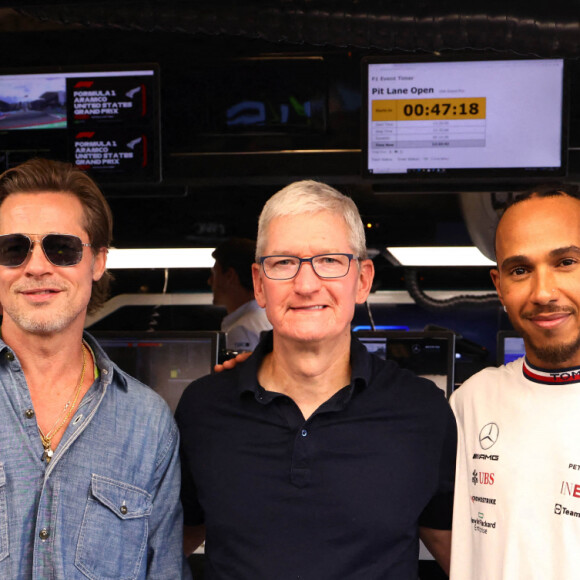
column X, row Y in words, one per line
column 314, row 459
column 89, row 472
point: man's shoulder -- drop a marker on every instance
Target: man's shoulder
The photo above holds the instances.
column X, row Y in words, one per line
column 128, row 398
column 388, row 374
column 137, row 389
column 406, row 393
column 252, row 316
column 214, row 387
column 135, row 396
column 490, row 376
column 132, row 388
column 482, row 384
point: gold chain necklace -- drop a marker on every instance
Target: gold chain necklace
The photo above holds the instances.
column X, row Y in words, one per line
column 60, row 415
column 46, row 439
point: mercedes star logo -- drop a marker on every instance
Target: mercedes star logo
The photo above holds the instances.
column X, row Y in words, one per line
column 488, row 435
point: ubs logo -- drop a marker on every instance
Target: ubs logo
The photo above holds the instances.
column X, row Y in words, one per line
column 482, row 477
column 488, row 435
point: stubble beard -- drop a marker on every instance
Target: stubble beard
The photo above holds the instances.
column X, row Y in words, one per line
column 35, row 320
column 40, row 325
column 551, row 354
column 554, row 354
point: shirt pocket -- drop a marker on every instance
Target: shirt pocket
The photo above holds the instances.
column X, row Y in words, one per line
column 114, row 530
column 4, row 551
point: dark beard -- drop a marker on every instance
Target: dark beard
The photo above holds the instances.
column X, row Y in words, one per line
column 551, row 355
column 555, row 354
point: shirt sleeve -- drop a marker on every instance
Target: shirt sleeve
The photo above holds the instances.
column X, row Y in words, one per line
column 192, row 510
column 241, row 338
column 193, row 514
column 165, row 543
column 438, row 513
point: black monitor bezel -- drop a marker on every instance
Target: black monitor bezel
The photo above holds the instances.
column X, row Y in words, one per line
column 216, row 336
column 500, row 343
column 449, row 336
column 217, row 340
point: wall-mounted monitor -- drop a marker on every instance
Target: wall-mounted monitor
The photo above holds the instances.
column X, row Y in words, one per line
column 274, row 95
column 167, row 361
column 430, row 354
column 510, row 346
column 463, row 124
column 104, row 119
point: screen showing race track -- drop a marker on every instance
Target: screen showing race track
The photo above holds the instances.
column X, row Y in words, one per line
column 438, row 117
column 104, row 121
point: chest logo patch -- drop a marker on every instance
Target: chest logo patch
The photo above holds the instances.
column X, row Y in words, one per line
column 488, row 435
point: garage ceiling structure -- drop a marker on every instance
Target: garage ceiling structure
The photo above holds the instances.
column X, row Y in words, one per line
column 213, row 187
column 522, row 27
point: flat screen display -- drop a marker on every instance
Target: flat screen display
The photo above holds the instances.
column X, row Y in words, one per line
column 428, row 354
column 166, row 361
column 471, row 119
column 104, row 121
column 265, row 95
column 510, row 346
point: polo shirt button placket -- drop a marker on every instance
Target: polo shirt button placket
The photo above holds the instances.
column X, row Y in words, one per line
column 300, row 470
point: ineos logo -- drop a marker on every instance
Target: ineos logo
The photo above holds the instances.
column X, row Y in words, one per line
column 488, row 435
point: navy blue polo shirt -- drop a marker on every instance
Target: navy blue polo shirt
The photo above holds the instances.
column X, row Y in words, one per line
column 338, row 496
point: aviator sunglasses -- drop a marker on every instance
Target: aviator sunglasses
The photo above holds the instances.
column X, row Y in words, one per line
column 59, row 249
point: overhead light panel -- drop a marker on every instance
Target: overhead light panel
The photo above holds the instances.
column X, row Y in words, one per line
column 438, row 256
column 160, row 258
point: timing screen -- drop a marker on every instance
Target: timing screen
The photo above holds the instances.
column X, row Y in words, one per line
column 430, row 117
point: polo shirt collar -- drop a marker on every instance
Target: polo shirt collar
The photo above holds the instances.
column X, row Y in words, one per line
column 361, row 364
column 569, row 375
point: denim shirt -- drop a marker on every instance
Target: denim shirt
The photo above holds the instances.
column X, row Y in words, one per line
column 107, row 505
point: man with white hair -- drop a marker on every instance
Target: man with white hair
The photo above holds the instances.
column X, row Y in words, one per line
column 314, row 459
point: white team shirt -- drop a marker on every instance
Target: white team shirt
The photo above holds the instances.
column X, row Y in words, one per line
column 517, row 491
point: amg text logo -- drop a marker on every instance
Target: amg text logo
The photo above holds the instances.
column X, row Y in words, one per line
column 486, row 457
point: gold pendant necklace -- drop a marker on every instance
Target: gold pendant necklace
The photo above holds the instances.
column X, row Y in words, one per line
column 46, row 439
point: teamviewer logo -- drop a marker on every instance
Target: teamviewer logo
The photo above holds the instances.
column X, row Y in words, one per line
column 558, row 509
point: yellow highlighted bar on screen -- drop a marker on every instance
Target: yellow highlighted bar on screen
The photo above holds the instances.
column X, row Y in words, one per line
column 428, row 109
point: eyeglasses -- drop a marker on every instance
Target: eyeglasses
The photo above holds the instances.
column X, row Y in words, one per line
column 324, row 265
column 59, row 249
